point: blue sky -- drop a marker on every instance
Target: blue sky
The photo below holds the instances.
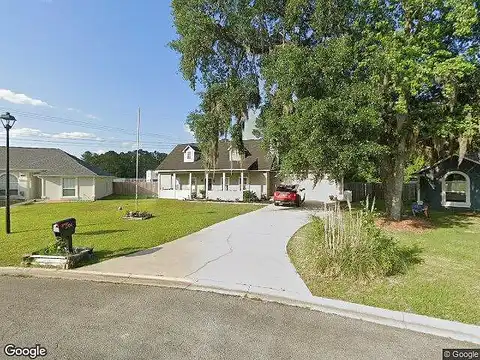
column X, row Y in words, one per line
column 74, row 72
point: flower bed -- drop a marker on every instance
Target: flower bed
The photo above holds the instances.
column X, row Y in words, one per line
column 137, row 215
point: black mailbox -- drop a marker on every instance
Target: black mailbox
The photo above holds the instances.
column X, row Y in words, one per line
column 63, row 230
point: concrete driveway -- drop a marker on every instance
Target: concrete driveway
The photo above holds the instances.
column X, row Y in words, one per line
column 247, row 252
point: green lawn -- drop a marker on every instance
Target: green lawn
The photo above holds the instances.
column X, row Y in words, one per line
column 445, row 285
column 100, row 225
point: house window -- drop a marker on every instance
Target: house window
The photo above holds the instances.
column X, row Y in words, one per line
column 69, row 187
column 245, row 182
column 456, row 189
column 210, row 183
column 234, row 155
column 13, row 185
column 188, row 154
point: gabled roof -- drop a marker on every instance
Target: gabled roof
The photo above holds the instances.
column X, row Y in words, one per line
column 473, row 157
column 48, row 162
column 256, row 158
column 191, row 146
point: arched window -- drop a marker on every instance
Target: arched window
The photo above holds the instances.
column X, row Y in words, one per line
column 456, row 189
column 13, row 185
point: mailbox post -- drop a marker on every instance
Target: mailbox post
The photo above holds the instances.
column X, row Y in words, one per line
column 63, row 231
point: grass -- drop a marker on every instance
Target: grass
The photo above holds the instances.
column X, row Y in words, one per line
column 446, row 284
column 100, row 225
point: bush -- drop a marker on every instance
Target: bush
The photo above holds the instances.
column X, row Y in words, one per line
column 202, row 193
column 250, row 196
column 346, row 244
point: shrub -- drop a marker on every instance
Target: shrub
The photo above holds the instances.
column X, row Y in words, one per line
column 202, row 193
column 249, row 196
column 346, row 244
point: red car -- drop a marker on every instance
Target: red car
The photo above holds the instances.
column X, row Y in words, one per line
column 288, row 195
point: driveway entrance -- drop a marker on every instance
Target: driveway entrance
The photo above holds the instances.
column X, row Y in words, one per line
column 245, row 253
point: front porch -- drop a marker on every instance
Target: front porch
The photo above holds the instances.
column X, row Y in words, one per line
column 221, row 185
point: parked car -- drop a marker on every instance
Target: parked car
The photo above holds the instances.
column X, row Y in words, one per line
column 288, row 195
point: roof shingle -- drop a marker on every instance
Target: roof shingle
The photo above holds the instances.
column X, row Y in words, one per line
column 256, row 158
column 54, row 162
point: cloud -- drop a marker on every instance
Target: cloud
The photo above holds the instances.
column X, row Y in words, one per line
column 100, row 152
column 17, row 98
column 75, row 135
column 187, row 129
column 89, row 116
column 29, row 132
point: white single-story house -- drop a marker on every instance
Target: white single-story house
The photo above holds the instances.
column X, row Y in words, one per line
column 182, row 175
column 52, row 174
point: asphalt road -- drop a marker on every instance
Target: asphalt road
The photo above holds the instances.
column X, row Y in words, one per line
column 88, row 320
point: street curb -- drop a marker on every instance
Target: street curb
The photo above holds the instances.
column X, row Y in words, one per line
column 419, row 323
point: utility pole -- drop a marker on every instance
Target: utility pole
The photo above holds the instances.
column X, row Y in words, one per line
column 136, row 176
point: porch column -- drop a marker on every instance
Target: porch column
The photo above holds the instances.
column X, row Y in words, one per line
column 206, row 185
column 174, row 185
column 43, row 188
column 78, row 189
column 159, row 181
column 190, row 185
column 241, row 181
column 418, row 188
column 223, row 181
column 266, row 184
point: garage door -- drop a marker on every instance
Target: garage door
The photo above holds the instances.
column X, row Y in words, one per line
column 321, row 192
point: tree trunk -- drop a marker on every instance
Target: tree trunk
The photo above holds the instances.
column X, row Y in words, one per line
column 393, row 182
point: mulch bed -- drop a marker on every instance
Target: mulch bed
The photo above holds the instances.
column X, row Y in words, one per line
column 413, row 224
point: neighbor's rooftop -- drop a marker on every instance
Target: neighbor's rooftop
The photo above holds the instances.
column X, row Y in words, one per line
column 48, row 161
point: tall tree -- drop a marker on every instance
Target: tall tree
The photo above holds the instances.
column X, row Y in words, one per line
column 347, row 85
column 123, row 164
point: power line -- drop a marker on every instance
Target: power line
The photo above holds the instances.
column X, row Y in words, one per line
column 66, row 121
column 86, row 143
column 87, row 140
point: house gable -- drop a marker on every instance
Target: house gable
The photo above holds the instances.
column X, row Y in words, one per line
column 188, row 154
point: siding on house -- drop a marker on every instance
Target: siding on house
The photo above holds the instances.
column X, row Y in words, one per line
column 103, row 187
column 432, row 191
column 53, row 188
column 86, row 188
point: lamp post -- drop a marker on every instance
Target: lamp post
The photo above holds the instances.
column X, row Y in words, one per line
column 7, row 122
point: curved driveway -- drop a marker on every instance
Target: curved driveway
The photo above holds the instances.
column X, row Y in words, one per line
column 247, row 253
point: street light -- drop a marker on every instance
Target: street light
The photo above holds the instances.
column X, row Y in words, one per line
column 7, row 122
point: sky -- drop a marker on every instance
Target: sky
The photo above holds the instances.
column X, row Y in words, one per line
column 75, row 72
